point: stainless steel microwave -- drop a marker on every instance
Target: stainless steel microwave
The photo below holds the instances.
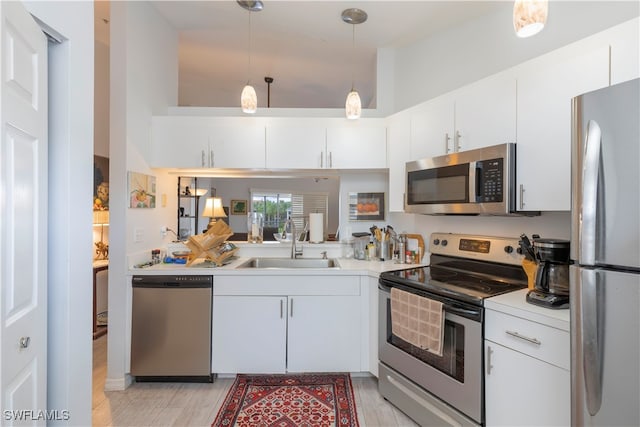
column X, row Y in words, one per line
column 474, row 182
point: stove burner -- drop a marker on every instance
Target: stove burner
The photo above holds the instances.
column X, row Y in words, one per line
column 442, row 275
column 479, row 286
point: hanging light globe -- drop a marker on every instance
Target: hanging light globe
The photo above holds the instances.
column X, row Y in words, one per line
column 529, row 16
column 249, row 100
column 353, row 106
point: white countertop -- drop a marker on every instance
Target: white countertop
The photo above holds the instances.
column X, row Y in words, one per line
column 515, row 304
column 348, row 266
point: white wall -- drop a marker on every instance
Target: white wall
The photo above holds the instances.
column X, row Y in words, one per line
column 144, row 82
column 101, row 100
column 487, row 45
column 549, row 224
column 70, row 187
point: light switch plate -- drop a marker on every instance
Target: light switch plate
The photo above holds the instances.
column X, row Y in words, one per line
column 138, row 235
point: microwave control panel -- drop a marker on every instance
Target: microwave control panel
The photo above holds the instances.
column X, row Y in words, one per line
column 490, row 179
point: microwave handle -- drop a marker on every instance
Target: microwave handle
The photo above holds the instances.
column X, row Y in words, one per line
column 474, row 185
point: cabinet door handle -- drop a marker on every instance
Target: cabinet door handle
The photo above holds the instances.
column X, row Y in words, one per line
column 447, row 138
column 281, row 306
column 202, row 158
column 524, row 337
column 330, row 159
column 521, row 197
column 291, row 307
column 24, row 342
column 456, row 141
column 489, row 365
column 212, row 159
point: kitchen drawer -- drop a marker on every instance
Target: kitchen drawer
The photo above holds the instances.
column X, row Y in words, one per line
column 287, row 285
column 534, row 339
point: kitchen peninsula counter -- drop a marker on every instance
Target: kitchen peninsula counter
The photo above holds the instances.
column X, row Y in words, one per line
column 347, row 267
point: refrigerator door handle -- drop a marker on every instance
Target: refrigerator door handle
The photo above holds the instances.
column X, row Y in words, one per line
column 588, row 211
column 591, row 326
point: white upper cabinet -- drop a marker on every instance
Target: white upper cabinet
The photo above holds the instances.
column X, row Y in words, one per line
column 478, row 115
column 485, row 112
column 399, row 136
column 432, row 126
column 300, row 145
column 326, row 144
column 546, row 86
column 357, row 145
column 625, row 51
column 239, row 145
column 205, row 142
column 179, row 142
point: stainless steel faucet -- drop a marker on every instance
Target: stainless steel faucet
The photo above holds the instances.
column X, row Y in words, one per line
column 295, row 253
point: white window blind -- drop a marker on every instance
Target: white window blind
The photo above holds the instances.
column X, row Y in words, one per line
column 302, row 204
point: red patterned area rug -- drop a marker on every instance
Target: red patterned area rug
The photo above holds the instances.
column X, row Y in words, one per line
column 303, row 400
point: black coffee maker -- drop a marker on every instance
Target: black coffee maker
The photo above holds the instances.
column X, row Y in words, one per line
column 552, row 275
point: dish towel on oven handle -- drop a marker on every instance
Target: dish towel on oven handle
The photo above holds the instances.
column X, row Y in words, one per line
column 417, row 320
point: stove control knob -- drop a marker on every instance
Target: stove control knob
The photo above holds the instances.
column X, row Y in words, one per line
column 444, row 243
column 436, row 242
column 508, row 249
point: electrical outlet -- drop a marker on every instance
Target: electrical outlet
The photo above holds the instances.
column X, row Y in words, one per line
column 163, row 230
column 138, row 235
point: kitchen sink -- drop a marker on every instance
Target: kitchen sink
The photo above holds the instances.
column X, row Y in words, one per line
column 290, row 263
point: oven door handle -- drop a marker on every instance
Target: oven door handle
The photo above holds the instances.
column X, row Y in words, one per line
column 446, row 307
column 461, row 311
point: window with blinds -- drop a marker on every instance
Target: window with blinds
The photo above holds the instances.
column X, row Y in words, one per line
column 302, row 204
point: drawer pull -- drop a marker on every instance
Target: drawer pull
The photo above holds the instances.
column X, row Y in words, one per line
column 522, row 337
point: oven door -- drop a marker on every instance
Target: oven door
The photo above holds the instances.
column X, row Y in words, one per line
column 456, row 376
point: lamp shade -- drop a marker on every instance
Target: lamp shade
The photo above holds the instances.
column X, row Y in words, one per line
column 213, row 208
column 529, row 16
column 249, row 100
column 353, row 107
column 101, row 217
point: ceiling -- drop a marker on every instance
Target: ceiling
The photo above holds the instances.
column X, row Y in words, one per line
column 304, row 45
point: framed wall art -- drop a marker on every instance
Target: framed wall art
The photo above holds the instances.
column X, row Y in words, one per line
column 366, row 206
column 238, row 207
column 142, row 190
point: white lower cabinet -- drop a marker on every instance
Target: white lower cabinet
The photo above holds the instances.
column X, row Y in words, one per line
column 323, row 334
column 250, row 334
column 527, row 376
column 282, row 324
column 522, row 390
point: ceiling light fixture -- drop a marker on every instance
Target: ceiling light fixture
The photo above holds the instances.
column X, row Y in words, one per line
column 529, row 16
column 248, row 98
column 353, row 106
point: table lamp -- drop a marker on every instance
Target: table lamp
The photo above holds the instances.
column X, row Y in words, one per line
column 101, row 218
column 213, row 209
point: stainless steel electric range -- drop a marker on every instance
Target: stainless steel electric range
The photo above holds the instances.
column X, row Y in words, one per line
column 464, row 270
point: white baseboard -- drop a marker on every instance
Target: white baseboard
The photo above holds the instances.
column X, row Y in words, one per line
column 118, row 384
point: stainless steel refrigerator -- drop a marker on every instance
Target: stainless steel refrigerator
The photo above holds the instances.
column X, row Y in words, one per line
column 605, row 249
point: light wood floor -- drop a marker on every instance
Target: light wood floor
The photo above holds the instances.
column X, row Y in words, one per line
column 192, row 404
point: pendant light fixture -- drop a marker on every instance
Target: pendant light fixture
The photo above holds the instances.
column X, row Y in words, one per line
column 248, row 98
column 353, row 106
column 529, row 16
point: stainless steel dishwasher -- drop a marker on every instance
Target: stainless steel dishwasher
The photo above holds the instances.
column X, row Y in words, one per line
column 171, row 328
